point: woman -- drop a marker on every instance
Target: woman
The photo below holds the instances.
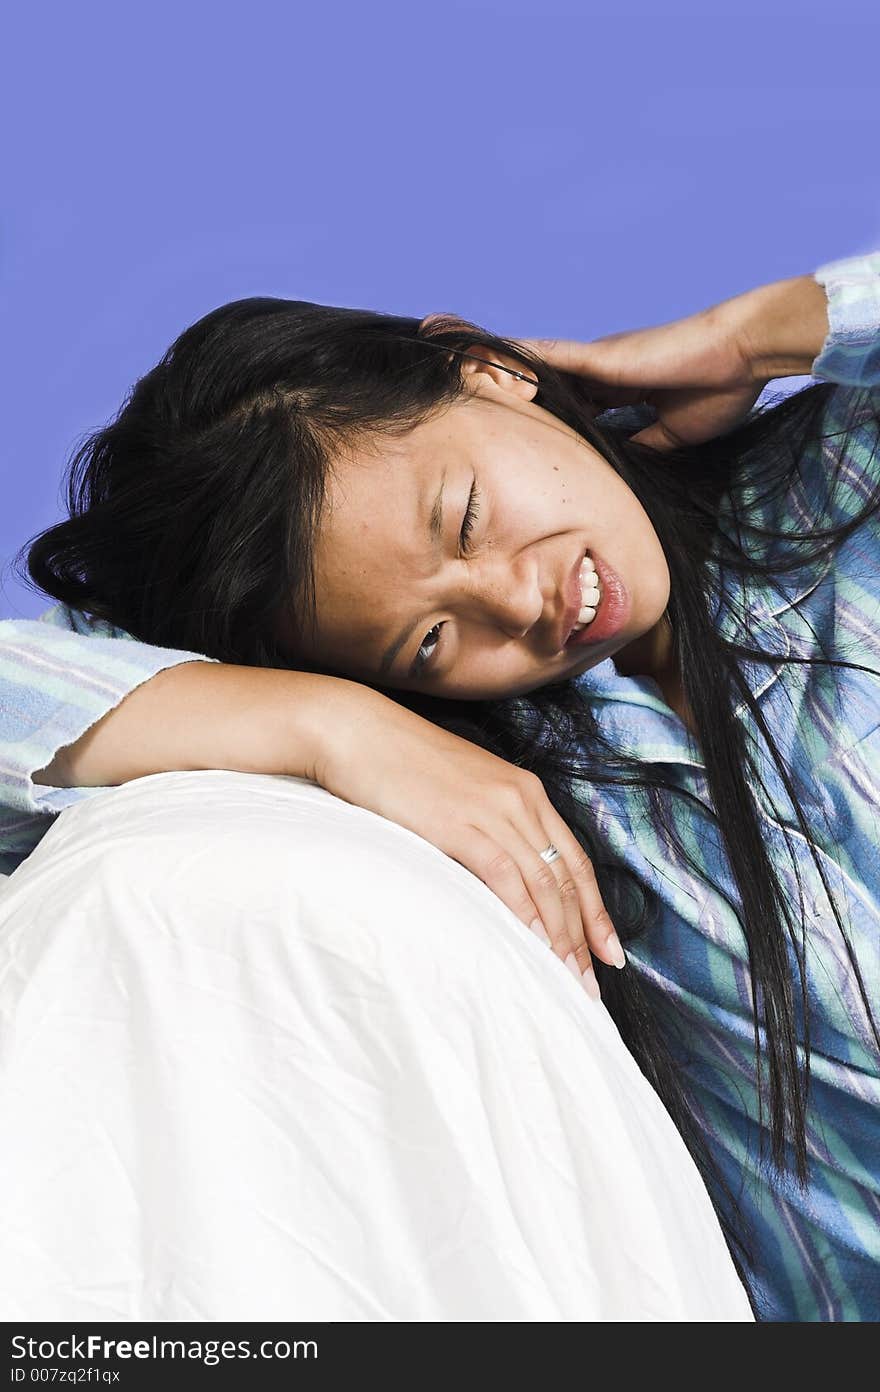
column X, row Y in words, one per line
column 712, row 787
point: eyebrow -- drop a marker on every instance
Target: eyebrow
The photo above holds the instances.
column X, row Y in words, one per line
column 435, row 536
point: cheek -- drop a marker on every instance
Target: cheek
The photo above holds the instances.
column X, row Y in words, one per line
column 482, row 672
column 652, row 581
column 632, row 534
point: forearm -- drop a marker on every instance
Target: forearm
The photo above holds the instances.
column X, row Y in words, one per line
column 785, row 326
column 200, row 715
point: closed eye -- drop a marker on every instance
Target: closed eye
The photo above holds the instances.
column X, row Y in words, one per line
column 472, row 512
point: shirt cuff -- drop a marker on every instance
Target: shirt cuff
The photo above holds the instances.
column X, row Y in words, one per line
column 850, row 354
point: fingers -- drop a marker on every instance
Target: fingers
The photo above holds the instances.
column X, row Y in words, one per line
column 540, row 824
column 578, row 960
column 599, row 932
column 556, row 897
column 534, row 890
column 620, row 363
column 599, row 366
column 658, row 437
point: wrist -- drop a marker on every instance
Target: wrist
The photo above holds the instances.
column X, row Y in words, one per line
column 319, row 712
column 784, row 326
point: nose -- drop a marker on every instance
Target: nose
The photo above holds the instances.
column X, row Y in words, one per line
column 506, row 594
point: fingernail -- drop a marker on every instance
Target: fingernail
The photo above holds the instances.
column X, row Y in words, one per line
column 618, row 956
column 540, row 931
column 591, row 985
column 571, row 963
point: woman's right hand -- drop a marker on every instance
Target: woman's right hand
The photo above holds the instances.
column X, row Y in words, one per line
column 489, row 815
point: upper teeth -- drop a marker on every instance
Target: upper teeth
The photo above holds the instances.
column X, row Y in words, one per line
column 590, row 594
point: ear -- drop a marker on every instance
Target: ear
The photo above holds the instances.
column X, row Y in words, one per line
column 440, row 323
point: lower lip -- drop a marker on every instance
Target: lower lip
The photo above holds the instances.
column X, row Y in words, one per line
column 612, row 613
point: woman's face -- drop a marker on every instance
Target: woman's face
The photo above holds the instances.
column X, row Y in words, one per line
column 484, row 621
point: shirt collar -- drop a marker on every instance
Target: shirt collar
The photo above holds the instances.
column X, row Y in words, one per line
column 632, row 711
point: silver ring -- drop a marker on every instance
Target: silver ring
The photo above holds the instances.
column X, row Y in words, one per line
column 550, row 854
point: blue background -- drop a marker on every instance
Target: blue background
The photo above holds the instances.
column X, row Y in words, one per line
column 545, row 169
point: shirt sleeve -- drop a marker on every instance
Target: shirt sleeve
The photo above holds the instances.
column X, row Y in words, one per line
column 850, row 354
column 59, row 674
column 839, row 468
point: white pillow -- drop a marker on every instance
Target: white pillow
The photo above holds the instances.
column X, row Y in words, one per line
column 267, row 1055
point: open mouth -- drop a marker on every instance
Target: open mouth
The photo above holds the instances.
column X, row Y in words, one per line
column 591, row 597
column 605, row 604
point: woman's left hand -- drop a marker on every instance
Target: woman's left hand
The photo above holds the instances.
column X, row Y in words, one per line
column 702, row 374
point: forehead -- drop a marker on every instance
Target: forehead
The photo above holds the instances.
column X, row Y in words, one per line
column 371, row 550
column 379, row 492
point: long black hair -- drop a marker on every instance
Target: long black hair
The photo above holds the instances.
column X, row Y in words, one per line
column 192, row 518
